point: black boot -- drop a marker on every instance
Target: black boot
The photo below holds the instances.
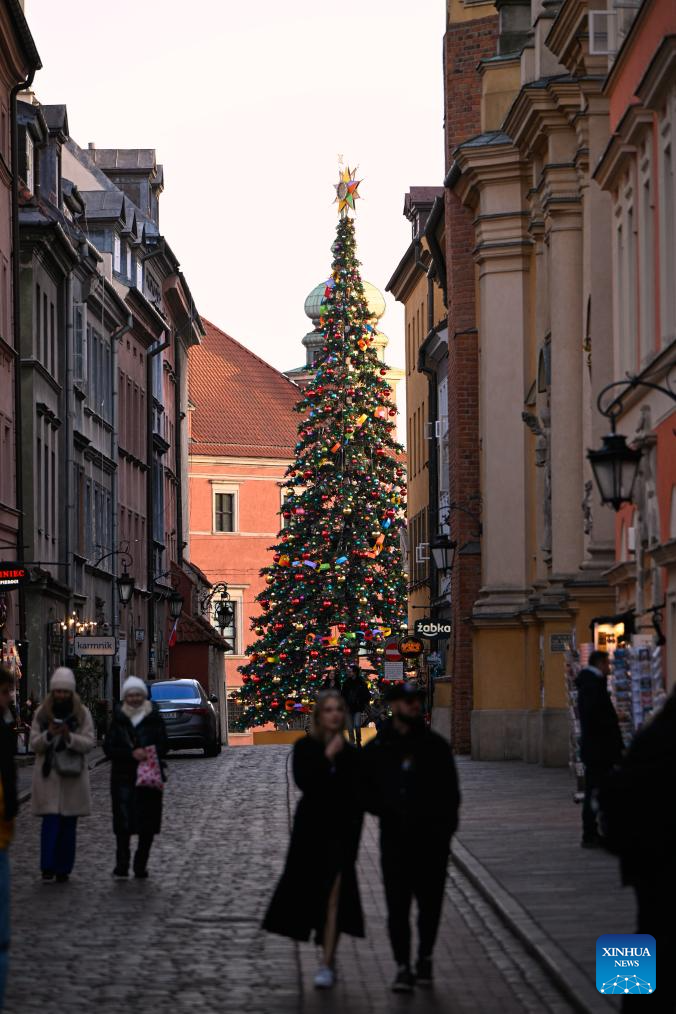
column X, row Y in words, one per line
column 142, row 855
column 123, row 855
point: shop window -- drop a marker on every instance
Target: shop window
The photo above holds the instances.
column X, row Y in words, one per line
column 235, row 712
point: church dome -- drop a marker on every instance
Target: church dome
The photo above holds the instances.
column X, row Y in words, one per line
column 374, row 299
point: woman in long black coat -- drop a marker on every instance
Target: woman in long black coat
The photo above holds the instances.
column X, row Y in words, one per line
column 318, row 890
column 136, row 725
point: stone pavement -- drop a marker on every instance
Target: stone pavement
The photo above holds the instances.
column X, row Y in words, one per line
column 522, row 831
column 188, row 939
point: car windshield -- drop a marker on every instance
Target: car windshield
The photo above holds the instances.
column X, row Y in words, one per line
column 174, row 692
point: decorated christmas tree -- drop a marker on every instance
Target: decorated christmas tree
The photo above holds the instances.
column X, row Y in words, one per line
column 335, row 584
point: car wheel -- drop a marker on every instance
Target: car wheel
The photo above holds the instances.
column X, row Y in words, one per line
column 211, row 748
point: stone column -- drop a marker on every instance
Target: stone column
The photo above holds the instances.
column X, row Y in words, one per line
column 563, row 223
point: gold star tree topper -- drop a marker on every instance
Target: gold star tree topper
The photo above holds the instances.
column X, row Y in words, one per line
column 346, row 191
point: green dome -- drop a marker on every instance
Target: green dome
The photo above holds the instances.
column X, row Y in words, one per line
column 374, row 299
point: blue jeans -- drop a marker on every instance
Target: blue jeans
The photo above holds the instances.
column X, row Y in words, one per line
column 4, row 922
column 57, row 843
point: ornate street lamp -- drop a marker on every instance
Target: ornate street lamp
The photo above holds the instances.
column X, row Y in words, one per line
column 223, row 612
column 443, row 552
column 615, row 465
column 175, row 605
column 125, row 586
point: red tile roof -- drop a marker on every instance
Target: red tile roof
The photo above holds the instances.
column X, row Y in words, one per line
column 196, row 630
column 243, row 406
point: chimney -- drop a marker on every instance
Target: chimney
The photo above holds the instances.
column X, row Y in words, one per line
column 91, row 146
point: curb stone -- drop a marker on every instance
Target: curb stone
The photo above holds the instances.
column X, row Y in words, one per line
column 563, row 971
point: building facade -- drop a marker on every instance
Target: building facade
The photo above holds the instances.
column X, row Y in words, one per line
column 549, row 185
column 19, row 60
column 107, row 319
column 638, row 171
column 242, row 435
column 419, row 284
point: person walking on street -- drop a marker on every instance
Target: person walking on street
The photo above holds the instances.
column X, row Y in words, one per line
column 357, row 699
column 62, row 734
column 331, row 681
column 411, row 784
column 637, row 805
column 137, row 737
column 600, row 738
column 318, row 889
column 8, row 811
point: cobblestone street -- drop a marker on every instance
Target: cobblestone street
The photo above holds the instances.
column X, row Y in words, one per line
column 188, row 939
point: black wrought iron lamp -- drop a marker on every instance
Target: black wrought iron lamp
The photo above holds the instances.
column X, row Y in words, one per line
column 615, row 465
column 125, row 586
column 443, row 552
column 175, row 605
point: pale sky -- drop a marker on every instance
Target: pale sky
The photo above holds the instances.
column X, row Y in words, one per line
column 248, row 105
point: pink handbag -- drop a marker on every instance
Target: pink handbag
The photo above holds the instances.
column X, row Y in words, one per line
column 149, row 771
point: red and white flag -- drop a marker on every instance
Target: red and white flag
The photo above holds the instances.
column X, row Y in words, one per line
column 173, row 636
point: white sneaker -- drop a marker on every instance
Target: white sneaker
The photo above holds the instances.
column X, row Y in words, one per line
column 324, row 977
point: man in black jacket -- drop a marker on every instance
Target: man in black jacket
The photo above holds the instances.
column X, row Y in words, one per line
column 638, row 804
column 357, row 699
column 412, row 786
column 600, row 738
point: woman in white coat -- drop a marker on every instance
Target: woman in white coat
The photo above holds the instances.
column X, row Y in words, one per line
column 62, row 734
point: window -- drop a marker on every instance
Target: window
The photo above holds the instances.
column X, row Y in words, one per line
column 52, row 341
column 79, row 345
column 235, row 712
column 645, row 267
column 45, row 329
column 30, row 163
column 129, row 260
column 117, row 254
column 139, row 275
column 38, row 304
column 231, row 632
column 224, row 510
column 667, row 224
column 53, row 495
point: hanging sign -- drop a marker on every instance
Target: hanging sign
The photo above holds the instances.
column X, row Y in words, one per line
column 94, row 645
column 393, row 669
column 12, row 575
column 410, row 646
column 432, row 629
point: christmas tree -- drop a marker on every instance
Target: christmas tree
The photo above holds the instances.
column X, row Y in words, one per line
column 335, row 586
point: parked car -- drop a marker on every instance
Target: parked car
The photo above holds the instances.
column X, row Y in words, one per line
column 189, row 715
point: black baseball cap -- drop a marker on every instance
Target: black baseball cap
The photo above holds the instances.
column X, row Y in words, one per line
column 405, row 691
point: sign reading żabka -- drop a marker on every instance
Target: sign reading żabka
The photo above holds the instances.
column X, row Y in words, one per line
column 12, row 575
column 94, row 645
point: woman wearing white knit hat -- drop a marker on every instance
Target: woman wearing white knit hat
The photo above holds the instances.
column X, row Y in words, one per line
column 136, row 744
column 62, row 733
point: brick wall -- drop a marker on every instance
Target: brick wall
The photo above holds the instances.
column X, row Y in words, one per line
column 465, row 45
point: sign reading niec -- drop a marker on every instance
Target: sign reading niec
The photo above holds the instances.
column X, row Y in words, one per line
column 94, row 645
column 411, row 647
column 12, row 575
column 432, row 628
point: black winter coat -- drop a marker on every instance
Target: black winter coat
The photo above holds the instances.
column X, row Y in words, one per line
column 639, row 804
column 601, row 743
column 411, row 783
column 8, row 770
column 356, row 695
column 135, row 810
column 324, row 843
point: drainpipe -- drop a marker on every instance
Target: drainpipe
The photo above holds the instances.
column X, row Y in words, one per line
column 116, row 337
column 150, row 498
column 16, row 309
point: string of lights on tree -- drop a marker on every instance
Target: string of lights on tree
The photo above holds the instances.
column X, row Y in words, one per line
column 335, row 588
